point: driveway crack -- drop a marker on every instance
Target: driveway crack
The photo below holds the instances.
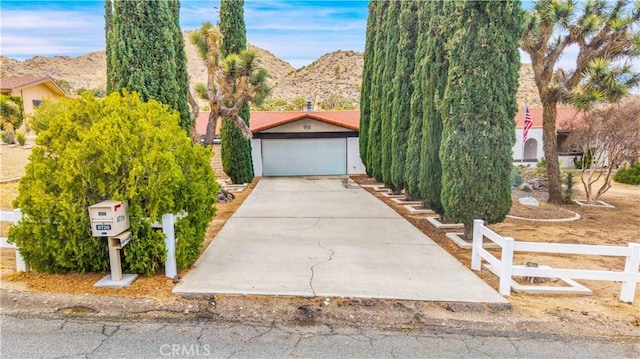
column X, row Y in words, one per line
column 332, row 253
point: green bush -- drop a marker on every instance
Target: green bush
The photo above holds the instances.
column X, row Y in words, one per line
column 569, row 182
column 516, row 178
column 3, row 137
column 630, row 175
column 21, row 138
column 542, row 164
column 584, row 161
column 89, row 150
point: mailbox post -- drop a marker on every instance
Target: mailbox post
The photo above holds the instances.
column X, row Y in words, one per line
column 110, row 219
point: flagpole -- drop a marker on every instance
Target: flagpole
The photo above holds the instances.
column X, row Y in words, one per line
column 523, row 128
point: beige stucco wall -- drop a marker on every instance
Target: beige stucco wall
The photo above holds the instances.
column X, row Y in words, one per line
column 37, row 92
column 306, row 125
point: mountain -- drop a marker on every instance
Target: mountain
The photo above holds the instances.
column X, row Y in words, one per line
column 339, row 72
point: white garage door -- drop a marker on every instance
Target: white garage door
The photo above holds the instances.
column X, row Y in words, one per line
column 301, row 157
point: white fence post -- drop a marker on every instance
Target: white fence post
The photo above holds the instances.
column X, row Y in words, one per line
column 476, row 258
column 168, row 222
column 21, row 265
column 628, row 290
column 505, row 269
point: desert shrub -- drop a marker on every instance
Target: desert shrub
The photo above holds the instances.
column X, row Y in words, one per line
column 526, row 188
column 89, row 150
column 569, row 182
column 21, row 138
column 542, row 164
column 629, row 175
column 541, row 167
column 584, row 161
column 516, row 178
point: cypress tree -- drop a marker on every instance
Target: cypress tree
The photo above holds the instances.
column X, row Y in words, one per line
column 479, row 106
column 436, row 67
column 392, row 29
column 414, row 140
column 365, row 89
column 147, row 53
column 402, row 91
column 236, row 149
column 182, row 74
column 374, row 141
column 108, row 32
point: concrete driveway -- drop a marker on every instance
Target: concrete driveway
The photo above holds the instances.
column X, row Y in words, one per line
column 311, row 236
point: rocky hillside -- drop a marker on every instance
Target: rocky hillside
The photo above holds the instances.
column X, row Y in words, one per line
column 338, row 72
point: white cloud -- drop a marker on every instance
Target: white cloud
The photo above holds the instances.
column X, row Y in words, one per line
column 50, row 32
column 51, row 20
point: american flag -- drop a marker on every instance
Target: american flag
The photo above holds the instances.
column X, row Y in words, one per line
column 527, row 123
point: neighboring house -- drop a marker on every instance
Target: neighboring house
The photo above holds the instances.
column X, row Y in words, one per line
column 533, row 148
column 296, row 143
column 32, row 91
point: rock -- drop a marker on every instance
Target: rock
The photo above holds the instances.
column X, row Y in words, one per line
column 528, row 201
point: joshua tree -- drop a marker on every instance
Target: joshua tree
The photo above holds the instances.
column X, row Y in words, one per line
column 230, row 83
column 600, row 30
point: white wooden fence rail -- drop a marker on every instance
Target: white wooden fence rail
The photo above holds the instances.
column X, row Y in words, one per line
column 167, row 226
column 630, row 277
column 14, row 217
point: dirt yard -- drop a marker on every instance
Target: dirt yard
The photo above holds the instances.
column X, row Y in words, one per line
column 599, row 314
column 603, row 226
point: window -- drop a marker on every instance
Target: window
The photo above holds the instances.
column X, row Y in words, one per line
column 36, row 103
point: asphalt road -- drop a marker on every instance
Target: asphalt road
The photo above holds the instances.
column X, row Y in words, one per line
column 32, row 337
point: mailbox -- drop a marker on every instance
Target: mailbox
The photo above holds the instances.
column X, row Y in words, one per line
column 108, row 218
column 119, row 241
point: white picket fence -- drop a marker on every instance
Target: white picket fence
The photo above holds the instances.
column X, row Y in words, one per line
column 167, row 226
column 505, row 269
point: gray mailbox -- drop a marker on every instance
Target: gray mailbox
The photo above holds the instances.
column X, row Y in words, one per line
column 109, row 218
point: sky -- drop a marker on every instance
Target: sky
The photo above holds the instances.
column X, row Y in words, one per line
column 298, row 32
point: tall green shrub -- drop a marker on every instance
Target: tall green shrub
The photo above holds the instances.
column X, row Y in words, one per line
column 430, row 182
column 236, row 149
column 478, row 128
column 121, row 148
column 374, row 138
column 365, row 88
column 414, row 140
column 392, row 29
column 145, row 53
column 402, row 90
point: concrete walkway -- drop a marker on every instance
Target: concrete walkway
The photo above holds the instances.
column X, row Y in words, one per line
column 313, row 237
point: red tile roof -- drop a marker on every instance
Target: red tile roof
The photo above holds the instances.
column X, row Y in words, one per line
column 264, row 120
column 565, row 115
column 203, row 120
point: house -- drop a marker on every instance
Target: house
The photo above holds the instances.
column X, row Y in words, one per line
column 296, row 143
column 533, row 150
column 32, row 90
